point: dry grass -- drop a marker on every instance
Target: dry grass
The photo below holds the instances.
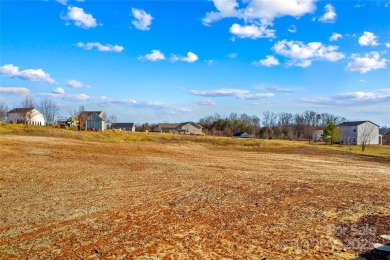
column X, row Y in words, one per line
column 149, row 196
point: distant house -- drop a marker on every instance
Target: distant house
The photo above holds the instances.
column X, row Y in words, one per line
column 92, row 120
column 317, row 135
column 242, row 135
column 30, row 116
column 357, row 132
column 130, row 127
column 188, row 128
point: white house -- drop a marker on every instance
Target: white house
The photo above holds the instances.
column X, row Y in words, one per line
column 30, row 116
column 358, row 132
column 317, row 135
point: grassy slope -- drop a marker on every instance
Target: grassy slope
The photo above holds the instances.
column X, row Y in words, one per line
column 212, row 141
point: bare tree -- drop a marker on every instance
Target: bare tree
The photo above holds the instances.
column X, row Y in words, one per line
column 365, row 135
column 28, row 102
column 112, row 119
column 3, row 111
column 76, row 112
column 50, row 110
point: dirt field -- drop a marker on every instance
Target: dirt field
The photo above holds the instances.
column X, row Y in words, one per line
column 77, row 199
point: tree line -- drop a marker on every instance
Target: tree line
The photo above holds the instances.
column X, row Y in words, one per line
column 271, row 125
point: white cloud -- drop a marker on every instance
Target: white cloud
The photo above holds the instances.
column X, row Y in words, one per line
column 292, row 29
column 100, row 47
column 63, row 2
column 190, row 58
column 329, row 16
column 77, row 97
column 59, row 91
column 356, row 98
column 269, row 61
column 368, row 39
column 335, row 36
column 15, row 91
column 252, row 31
column 226, row 8
column 278, row 89
column 142, row 20
column 367, row 62
column 232, row 55
column 302, row 55
column 226, row 92
column 388, row 44
column 155, row 55
column 79, row 17
column 205, row 102
column 12, row 71
column 76, row 84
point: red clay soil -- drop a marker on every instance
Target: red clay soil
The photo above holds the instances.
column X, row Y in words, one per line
column 75, row 199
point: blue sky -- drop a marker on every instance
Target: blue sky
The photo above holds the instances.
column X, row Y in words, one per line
column 172, row 61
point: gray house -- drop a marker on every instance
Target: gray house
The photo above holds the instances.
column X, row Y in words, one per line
column 242, row 135
column 92, row 120
column 358, row 132
column 130, row 127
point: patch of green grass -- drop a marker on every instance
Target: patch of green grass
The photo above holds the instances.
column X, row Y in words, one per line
column 371, row 150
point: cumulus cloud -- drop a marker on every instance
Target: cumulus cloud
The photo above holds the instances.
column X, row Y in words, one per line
column 191, row 57
column 79, row 17
column 335, row 36
column 15, row 91
column 252, row 31
column 368, row 39
column 13, row 71
column 388, row 44
column 257, row 14
column 100, row 47
column 269, row 61
column 76, row 84
column 154, row 56
column 330, row 14
column 302, row 55
column 142, row 20
column 59, row 91
column 367, row 62
column 205, row 102
column 226, row 92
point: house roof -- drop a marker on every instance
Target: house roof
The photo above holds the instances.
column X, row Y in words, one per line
column 241, row 134
column 86, row 114
column 21, row 111
column 119, row 125
column 168, row 126
column 355, row 123
column 191, row 123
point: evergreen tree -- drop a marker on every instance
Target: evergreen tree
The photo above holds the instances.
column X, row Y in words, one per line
column 331, row 133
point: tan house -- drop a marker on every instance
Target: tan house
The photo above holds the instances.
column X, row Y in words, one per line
column 188, row 128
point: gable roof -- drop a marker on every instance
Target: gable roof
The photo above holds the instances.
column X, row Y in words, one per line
column 241, row 134
column 119, row 125
column 21, row 111
column 355, row 123
column 86, row 114
column 179, row 126
column 167, row 126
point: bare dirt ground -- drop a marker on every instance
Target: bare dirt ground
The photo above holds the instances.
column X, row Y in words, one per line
column 76, row 199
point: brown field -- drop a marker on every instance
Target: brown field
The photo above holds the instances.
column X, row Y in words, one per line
column 71, row 198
